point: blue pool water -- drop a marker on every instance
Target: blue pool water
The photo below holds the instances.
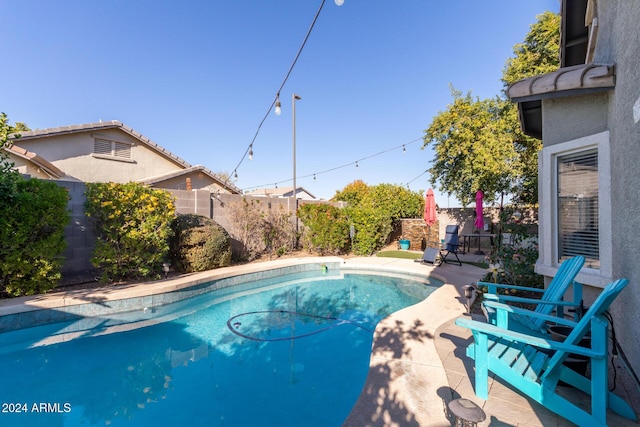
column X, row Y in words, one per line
column 295, row 352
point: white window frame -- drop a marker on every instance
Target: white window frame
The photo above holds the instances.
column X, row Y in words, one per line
column 547, row 264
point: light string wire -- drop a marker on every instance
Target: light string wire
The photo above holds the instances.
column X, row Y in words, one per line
column 342, row 166
column 250, row 146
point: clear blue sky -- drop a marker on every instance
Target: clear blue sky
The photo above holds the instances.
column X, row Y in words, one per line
column 197, row 77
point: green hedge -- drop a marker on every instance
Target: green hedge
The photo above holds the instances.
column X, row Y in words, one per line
column 327, row 229
column 32, row 220
column 133, row 228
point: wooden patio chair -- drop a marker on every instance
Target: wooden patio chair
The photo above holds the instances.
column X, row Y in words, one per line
column 534, row 365
column 551, row 299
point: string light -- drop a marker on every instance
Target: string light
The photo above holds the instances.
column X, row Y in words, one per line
column 350, row 164
column 251, row 152
column 276, row 101
column 278, row 109
column 235, row 176
column 404, row 150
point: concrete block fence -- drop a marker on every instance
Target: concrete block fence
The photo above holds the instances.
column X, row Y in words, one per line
column 80, row 236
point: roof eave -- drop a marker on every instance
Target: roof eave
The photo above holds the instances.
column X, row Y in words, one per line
column 569, row 81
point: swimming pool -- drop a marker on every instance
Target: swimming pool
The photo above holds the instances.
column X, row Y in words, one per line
column 290, row 350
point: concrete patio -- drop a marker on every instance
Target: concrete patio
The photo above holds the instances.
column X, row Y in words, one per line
column 418, row 364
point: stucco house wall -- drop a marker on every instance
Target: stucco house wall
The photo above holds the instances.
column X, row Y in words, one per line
column 606, row 119
column 108, row 152
column 28, row 168
column 74, row 154
column 570, row 118
column 620, row 26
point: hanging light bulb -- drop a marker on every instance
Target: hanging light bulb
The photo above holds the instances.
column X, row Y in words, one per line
column 235, row 176
column 339, row 2
column 314, row 176
column 278, row 109
column 357, row 164
column 251, row 152
column 404, row 150
column 276, row 184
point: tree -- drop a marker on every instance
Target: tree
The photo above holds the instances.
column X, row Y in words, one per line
column 352, row 193
column 9, row 177
column 478, row 144
column 473, row 148
column 538, row 54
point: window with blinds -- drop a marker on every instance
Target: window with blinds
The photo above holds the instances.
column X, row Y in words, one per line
column 578, row 232
column 105, row 147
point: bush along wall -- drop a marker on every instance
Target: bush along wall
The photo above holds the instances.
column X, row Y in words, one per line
column 32, row 220
column 198, row 244
column 326, row 229
column 132, row 228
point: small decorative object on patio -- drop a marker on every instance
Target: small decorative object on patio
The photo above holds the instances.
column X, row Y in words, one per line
column 405, row 244
column 165, row 268
column 466, row 412
column 469, row 295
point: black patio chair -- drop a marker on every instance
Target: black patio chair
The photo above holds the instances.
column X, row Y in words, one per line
column 451, row 244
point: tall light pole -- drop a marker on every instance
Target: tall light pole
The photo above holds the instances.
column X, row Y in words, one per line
column 295, row 97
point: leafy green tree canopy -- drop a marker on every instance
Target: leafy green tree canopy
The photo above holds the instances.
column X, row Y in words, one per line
column 538, row 54
column 478, row 144
column 352, row 193
column 473, row 147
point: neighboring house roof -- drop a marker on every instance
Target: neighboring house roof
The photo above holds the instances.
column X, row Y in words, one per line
column 61, row 130
column 48, row 168
column 197, row 168
column 56, row 173
column 278, row 192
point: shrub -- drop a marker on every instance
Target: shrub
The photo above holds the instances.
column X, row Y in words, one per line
column 515, row 263
column 132, row 227
column 372, row 228
column 246, row 219
column 326, row 229
column 278, row 232
column 259, row 229
column 198, row 244
column 372, row 211
column 32, row 222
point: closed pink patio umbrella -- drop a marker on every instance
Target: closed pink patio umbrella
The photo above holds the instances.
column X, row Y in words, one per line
column 479, row 222
column 430, row 208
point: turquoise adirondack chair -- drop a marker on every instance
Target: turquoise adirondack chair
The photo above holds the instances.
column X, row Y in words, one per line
column 550, row 300
column 534, row 365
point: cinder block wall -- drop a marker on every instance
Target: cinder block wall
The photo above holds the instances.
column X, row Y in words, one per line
column 79, row 233
column 81, row 238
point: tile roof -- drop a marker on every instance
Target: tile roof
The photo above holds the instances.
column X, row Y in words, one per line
column 113, row 124
column 197, row 168
column 42, row 163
